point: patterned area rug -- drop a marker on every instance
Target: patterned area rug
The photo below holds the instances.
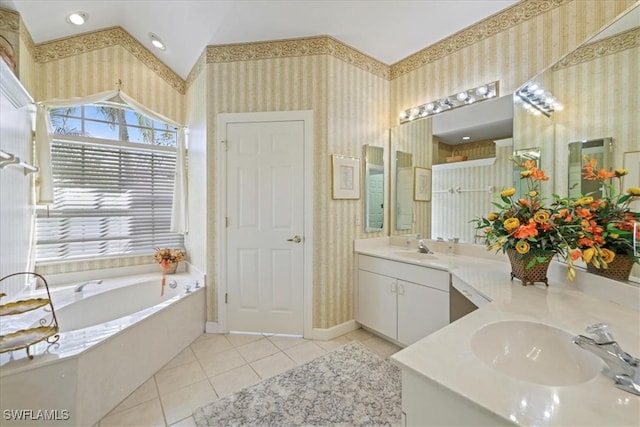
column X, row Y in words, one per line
column 349, row 386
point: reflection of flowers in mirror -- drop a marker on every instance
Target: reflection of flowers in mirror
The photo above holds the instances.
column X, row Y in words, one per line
column 602, row 228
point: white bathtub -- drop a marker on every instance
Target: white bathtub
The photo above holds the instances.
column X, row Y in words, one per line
column 114, row 336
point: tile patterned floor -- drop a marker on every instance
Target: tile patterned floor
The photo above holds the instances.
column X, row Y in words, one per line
column 216, row 365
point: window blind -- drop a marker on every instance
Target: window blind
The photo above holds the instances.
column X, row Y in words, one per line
column 108, row 201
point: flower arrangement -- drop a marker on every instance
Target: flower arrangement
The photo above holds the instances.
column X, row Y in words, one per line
column 166, row 256
column 601, row 228
column 525, row 225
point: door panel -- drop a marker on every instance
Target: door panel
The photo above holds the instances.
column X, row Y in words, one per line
column 265, row 208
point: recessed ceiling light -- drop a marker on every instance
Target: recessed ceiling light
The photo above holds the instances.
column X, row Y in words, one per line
column 78, row 18
column 466, row 137
column 155, row 40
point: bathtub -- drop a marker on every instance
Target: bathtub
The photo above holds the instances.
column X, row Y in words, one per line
column 113, row 337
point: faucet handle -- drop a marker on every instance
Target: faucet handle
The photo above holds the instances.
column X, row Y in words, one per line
column 600, row 333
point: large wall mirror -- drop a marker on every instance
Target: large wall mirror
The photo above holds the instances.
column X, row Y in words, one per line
column 599, row 149
column 374, row 184
column 404, row 190
column 598, row 86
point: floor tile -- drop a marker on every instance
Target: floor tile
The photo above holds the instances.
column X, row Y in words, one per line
column 187, row 422
column 359, row 335
column 147, row 391
column 234, row 380
column 273, row 365
column 148, row 414
column 257, row 349
column 184, row 357
column 169, row 380
column 237, row 340
column 334, row 343
column 213, row 344
column 181, row 403
column 381, row 347
column 223, row 361
column 285, row 342
column 305, row 352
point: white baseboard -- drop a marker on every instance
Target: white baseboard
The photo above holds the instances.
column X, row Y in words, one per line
column 334, row 331
column 212, row 328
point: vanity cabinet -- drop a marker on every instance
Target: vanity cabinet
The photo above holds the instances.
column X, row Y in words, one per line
column 402, row 301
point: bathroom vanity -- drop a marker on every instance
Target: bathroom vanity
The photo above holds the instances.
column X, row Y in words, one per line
column 460, row 374
column 402, row 301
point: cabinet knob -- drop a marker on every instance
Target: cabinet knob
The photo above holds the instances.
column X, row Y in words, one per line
column 400, row 289
column 393, row 287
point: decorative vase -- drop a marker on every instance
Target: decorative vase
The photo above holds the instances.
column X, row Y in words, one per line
column 519, row 270
column 618, row 269
column 170, row 268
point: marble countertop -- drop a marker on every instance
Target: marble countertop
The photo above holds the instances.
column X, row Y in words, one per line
column 446, row 356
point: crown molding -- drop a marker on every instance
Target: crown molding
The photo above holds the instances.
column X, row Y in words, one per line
column 100, row 39
column 617, row 43
column 290, row 48
column 9, row 20
column 488, row 27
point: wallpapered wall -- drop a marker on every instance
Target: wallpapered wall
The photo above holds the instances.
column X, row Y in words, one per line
column 350, row 109
column 511, row 47
column 355, row 100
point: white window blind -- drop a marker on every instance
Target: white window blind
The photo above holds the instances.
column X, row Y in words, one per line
column 109, row 200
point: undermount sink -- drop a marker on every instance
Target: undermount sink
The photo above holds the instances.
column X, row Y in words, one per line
column 414, row 255
column 534, row 352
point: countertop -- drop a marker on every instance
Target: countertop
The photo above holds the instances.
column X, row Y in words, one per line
column 446, row 357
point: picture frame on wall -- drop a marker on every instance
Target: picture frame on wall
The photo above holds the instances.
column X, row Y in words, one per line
column 421, row 184
column 345, row 173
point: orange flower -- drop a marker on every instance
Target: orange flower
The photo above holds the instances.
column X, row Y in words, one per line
column 525, row 231
column 576, row 254
column 523, row 202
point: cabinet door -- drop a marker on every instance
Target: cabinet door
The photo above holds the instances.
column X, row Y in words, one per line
column 421, row 311
column 377, row 302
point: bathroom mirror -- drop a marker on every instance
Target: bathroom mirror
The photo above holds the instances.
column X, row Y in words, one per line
column 599, row 149
column 373, row 188
column 598, row 85
column 519, row 157
column 404, row 190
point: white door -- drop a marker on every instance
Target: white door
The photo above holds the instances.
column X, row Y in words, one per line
column 265, row 223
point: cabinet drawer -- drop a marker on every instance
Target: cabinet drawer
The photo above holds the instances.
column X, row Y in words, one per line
column 425, row 276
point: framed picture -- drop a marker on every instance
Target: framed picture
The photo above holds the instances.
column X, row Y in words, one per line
column 421, row 184
column 345, row 172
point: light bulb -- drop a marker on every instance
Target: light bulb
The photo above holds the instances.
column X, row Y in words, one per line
column 462, row 96
column 482, row 90
column 77, row 18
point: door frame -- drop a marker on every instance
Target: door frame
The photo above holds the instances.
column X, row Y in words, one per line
column 306, row 116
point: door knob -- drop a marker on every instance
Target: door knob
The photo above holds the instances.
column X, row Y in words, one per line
column 295, row 239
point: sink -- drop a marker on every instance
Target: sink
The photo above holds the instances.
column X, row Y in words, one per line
column 534, row 352
column 414, row 255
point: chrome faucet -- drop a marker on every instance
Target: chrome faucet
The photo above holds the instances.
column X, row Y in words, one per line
column 422, row 248
column 80, row 287
column 623, row 367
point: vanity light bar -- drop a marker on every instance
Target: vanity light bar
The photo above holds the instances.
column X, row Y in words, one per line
column 465, row 97
column 538, row 100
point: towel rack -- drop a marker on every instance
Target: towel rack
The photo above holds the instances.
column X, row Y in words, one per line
column 7, row 159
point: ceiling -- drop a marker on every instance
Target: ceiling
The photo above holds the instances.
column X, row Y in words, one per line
column 386, row 30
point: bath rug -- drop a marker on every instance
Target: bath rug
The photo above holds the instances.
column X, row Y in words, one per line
column 349, row 386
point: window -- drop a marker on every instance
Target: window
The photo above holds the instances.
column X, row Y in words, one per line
column 113, row 172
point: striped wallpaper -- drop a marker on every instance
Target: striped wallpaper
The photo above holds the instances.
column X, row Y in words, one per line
column 355, row 100
column 350, row 109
